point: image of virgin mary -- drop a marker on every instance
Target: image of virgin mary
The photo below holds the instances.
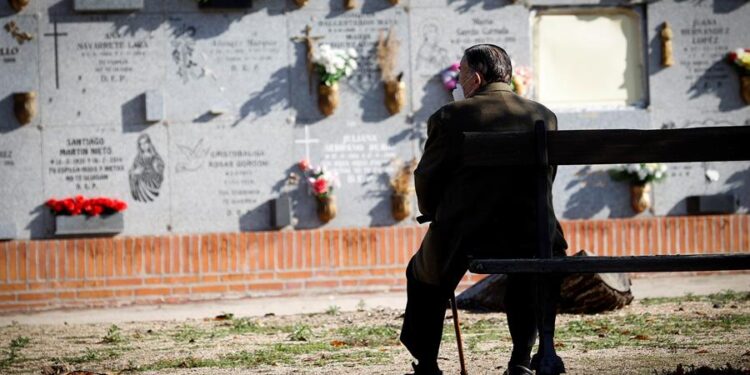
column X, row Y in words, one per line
column 147, row 173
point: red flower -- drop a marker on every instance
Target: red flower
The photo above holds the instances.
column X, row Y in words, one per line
column 320, row 186
column 732, row 56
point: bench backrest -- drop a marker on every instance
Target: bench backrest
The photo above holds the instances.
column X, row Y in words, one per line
column 541, row 148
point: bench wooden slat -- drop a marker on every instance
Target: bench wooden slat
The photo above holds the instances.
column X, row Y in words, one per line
column 596, row 264
column 613, row 146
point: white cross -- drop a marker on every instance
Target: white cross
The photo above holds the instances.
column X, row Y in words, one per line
column 307, row 142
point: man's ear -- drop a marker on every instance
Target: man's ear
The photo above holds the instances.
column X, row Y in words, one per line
column 477, row 79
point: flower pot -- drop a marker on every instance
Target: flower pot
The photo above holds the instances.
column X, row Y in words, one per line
column 328, row 98
column 300, row 3
column 350, row 4
column 395, row 96
column 745, row 88
column 400, row 206
column 86, row 225
column 18, row 5
column 394, row 2
column 24, row 106
column 326, row 208
column 640, row 197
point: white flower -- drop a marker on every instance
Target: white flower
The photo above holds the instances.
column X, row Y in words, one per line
column 633, row 168
column 712, row 175
column 338, row 62
column 352, row 52
column 642, row 174
column 352, row 63
column 658, row 175
column 348, row 71
column 662, row 168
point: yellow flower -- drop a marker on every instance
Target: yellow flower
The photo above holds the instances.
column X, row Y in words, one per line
column 744, row 60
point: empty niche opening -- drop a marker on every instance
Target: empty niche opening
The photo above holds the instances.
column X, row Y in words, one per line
column 590, row 57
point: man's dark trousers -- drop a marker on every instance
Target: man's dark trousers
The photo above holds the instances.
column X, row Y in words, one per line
column 425, row 313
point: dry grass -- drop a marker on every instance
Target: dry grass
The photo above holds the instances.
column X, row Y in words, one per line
column 694, row 335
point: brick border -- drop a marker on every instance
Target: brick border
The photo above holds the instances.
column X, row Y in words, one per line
column 99, row 272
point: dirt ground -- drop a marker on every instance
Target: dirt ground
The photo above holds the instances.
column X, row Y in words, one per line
column 649, row 337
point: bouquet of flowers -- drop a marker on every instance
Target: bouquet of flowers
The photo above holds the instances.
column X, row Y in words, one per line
column 521, row 80
column 741, row 58
column 322, row 184
column 639, row 174
column 90, row 206
column 332, row 65
column 450, row 76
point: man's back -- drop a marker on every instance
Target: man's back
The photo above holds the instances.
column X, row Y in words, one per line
column 492, row 208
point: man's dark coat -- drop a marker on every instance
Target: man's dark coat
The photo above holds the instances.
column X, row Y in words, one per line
column 486, row 211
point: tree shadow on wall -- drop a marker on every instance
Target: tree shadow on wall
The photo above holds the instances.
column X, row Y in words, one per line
column 596, row 191
column 273, row 96
column 380, row 214
column 41, row 224
column 259, row 218
column 708, row 83
column 739, row 185
column 467, row 5
column 720, row 7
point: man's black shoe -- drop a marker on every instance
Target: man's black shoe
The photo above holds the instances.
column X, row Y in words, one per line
column 424, row 370
column 518, row 370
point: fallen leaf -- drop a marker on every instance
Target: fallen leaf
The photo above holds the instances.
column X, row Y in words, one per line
column 337, row 343
column 641, row 337
column 559, row 345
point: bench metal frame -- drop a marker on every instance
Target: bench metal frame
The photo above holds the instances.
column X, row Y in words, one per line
column 541, row 148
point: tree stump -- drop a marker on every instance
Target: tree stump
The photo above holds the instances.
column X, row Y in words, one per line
column 581, row 293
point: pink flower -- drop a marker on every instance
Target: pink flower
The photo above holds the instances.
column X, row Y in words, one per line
column 304, row 165
column 455, row 66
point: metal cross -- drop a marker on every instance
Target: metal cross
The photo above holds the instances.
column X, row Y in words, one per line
column 307, row 142
column 55, row 34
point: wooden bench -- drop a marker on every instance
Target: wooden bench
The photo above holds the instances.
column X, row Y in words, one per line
column 541, row 148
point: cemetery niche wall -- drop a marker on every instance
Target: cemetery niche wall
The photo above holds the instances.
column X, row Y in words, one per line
column 198, row 117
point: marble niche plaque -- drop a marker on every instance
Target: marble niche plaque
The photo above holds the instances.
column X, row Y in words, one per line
column 224, row 176
column 19, row 65
column 686, row 179
column 105, row 161
column 365, row 157
column 362, row 94
column 704, row 32
column 22, row 205
column 98, row 68
column 227, row 67
column 439, row 38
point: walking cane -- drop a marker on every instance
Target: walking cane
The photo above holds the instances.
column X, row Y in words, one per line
column 458, row 336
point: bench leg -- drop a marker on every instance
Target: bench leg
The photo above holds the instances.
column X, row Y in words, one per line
column 546, row 361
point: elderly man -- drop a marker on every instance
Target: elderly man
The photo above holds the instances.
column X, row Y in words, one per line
column 486, row 211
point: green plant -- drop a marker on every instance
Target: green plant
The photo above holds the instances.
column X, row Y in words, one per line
column 333, row 310
column 14, row 349
column 113, row 336
column 639, row 174
column 301, row 332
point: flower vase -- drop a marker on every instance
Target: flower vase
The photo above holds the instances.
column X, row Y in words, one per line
column 394, row 2
column 326, row 208
column 328, row 98
column 300, row 3
column 18, row 5
column 745, row 88
column 24, row 106
column 350, row 4
column 395, row 96
column 640, row 197
column 400, row 206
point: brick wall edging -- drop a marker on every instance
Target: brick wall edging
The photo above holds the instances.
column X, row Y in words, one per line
column 116, row 271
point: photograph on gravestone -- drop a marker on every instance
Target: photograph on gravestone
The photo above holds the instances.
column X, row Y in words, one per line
column 227, row 67
column 224, row 176
column 99, row 68
column 106, row 161
column 19, row 73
